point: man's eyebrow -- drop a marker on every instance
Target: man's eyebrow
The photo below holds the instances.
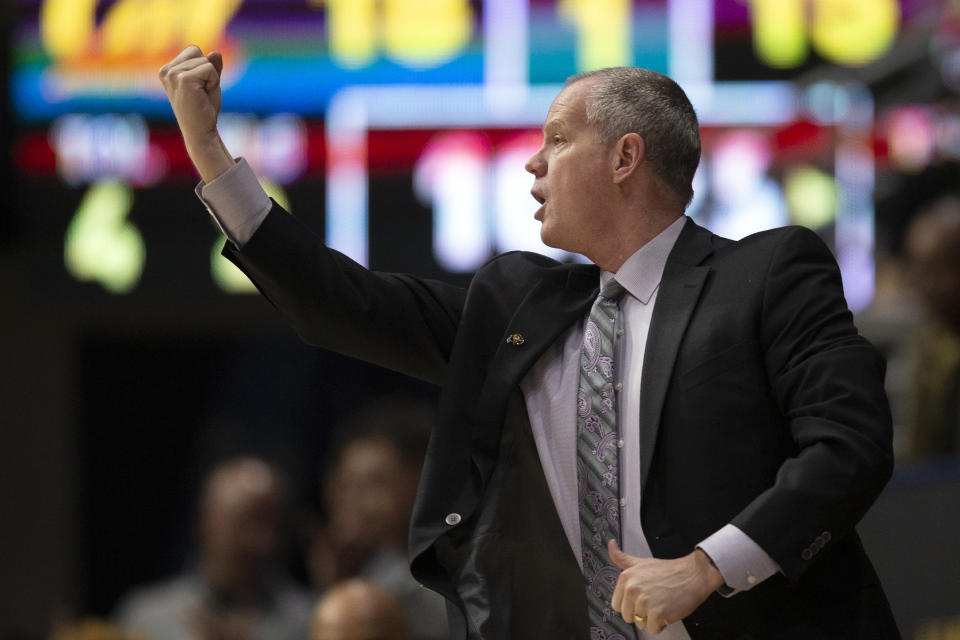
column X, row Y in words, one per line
column 554, row 123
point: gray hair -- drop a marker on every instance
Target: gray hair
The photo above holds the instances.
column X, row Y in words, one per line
column 632, row 100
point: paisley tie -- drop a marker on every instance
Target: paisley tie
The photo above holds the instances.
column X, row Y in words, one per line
column 598, row 444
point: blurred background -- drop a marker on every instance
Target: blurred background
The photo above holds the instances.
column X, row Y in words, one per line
column 134, row 360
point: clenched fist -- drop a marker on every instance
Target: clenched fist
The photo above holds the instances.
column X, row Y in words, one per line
column 661, row 591
column 192, row 83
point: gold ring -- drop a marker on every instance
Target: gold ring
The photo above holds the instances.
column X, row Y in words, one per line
column 639, row 620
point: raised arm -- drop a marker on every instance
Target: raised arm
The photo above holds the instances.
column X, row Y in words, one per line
column 192, row 83
column 400, row 322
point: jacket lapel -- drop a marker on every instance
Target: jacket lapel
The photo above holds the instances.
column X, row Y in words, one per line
column 680, row 288
column 557, row 301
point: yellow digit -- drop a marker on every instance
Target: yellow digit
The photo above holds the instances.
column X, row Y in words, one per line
column 423, row 33
column 352, row 31
column 811, row 196
column 67, row 27
column 603, row 32
column 128, row 25
column 207, row 21
column 854, row 32
column 849, row 32
column 166, row 18
column 155, row 26
column 779, row 31
column 101, row 244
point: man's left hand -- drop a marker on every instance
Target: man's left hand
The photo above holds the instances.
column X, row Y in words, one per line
column 661, row 591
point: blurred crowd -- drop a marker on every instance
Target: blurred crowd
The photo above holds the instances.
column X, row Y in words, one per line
column 915, row 321
column 239, row 585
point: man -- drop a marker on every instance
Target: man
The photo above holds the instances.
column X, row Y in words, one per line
column 238, row 590
column 726, row 398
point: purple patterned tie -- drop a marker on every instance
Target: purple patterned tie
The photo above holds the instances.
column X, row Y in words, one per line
column 598, row 484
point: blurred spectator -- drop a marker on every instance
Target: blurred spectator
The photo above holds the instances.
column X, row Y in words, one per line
column 889, row 323
column 237, row 591
column 359, row 610
column 370, row 483
column 933, row 250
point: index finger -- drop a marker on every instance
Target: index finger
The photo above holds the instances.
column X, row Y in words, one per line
column 192, row 51
column 617, row 600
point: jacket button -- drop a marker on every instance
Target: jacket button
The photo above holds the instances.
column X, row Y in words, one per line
column 452, row 519
column 807, row 554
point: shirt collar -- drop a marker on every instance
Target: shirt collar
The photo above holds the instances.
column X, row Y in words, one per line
column 641, row 273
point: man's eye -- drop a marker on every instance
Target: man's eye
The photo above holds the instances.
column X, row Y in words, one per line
column 557, row 139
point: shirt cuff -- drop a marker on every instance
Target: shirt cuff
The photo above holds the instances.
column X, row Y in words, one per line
column 740, row 560
column 236, row 201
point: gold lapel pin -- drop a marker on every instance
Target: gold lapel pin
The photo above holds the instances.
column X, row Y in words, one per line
column 515, row 339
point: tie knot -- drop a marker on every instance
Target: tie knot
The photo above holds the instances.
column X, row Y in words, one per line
column 612, row 290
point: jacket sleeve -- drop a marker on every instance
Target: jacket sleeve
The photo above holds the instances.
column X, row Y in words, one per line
column 396, row 321
column 828, row 383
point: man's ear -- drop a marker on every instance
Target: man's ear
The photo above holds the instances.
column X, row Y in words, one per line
column 629, row 152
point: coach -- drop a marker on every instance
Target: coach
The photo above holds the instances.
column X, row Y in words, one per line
column 678, row 439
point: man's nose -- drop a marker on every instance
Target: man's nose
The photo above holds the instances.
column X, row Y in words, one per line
column 535, row 164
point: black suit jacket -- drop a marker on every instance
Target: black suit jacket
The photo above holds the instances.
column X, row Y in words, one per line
column 761, row 407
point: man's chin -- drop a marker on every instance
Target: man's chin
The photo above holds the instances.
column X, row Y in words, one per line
column 548, row 238
column 554, row 242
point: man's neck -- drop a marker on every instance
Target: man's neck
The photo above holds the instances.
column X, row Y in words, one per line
column 628, row 235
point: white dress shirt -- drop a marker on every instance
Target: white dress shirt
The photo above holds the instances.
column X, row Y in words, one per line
column 238, row 204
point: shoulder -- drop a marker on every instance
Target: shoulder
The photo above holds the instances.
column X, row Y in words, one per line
column 792, row 238
column 514, row 273
column 773, row 249
column 517, row 263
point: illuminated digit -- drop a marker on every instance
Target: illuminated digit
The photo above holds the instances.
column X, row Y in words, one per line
column 811, row 196
column 164, row 26
column 849, row 32
column 423, row 33
column 67, row 26
column 129, row 27
column 779, row 31
column 603, row 32
column 225, row 274
column 101, row 244
column 450, row 175
column 205, row 27
column 854, row 32
column 352, row 31
column 155, row 26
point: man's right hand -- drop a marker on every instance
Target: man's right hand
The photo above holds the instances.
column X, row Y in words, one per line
column 192, row 83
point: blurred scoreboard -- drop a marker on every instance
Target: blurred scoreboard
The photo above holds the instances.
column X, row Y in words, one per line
column 398, row 129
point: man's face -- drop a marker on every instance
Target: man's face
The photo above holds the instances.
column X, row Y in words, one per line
column 572, row 172
column 370, row 494
column 240, row 528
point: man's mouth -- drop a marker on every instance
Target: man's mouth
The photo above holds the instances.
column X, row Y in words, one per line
column 542, row 200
